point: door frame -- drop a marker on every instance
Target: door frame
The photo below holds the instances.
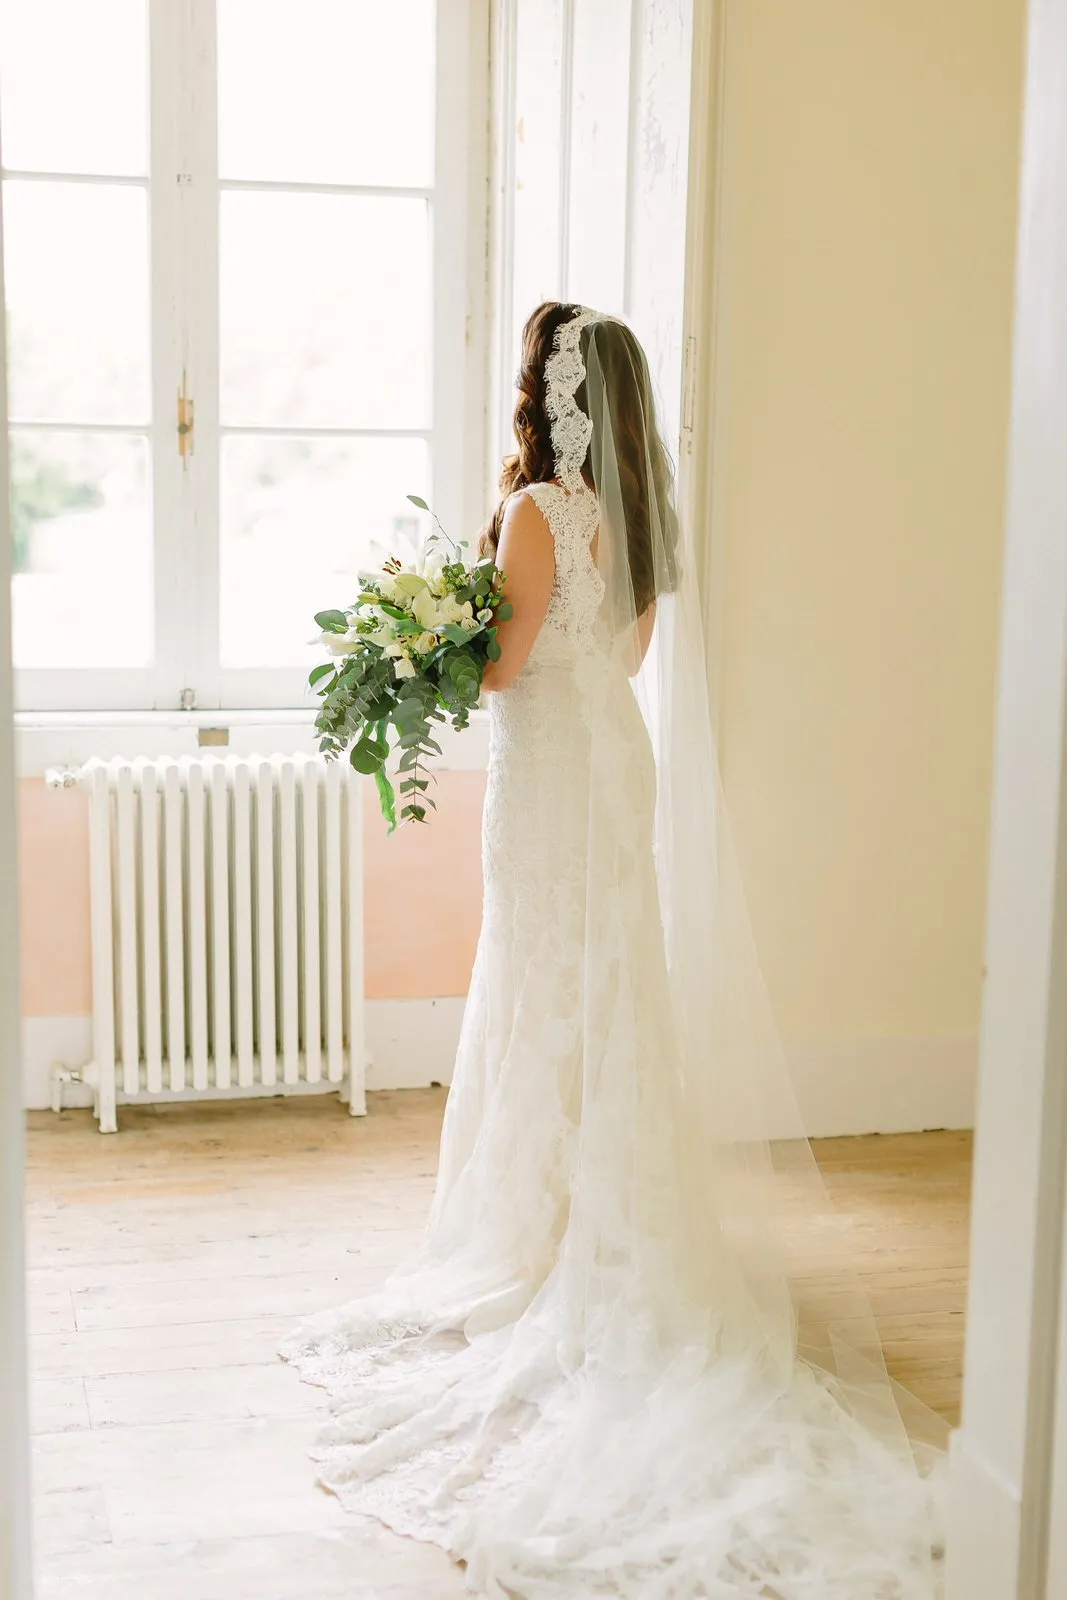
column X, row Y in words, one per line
column 1003, row 1455
column 15, row 1571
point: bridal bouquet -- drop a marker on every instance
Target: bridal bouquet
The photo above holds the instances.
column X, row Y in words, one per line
column 410, row 652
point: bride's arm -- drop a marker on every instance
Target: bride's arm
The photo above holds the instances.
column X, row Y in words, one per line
column 527, row 559
column 643, row 637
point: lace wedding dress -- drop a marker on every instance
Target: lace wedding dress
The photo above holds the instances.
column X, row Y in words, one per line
column 573, row 1387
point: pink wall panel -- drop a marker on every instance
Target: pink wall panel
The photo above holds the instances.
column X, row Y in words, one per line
column 54, row 897
column 424, row 894
column 423, row 900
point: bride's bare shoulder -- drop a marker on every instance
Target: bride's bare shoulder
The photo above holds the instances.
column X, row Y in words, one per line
column 526, row 509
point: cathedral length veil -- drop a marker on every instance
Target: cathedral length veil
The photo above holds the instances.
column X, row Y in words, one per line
column 694, row 1401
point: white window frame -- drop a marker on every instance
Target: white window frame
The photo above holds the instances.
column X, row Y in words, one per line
column 183, row 223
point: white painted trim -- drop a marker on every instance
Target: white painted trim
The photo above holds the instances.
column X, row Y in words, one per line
column 411, row 1044
column 47, row 741
column 1057, row 1555
column 901, row 1085
column 460, row 209
column 983, row 1541
column 999, row 1537
column 501, row 262
column 873, row 1086
column 174, row 595
column 566, row 147
column 15, row 1566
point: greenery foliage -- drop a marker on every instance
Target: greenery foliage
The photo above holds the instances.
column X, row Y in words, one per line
column 409, row 654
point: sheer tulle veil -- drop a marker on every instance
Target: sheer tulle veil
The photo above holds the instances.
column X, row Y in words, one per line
column 764, row 1252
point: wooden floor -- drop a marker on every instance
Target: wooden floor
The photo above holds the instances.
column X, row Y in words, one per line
column 165, row 1262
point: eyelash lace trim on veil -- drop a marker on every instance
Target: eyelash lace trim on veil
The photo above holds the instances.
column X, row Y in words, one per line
column 575, row 1387
column 571, row 429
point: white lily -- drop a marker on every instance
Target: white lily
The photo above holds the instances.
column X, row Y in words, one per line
column 404, row 668
column 426, row 609
column 410, row 583
column 341, row 644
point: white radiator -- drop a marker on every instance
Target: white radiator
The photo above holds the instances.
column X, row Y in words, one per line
column 227, row 928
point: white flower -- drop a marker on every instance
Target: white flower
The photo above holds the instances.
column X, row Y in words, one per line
column 341, row 644
column 426, row 610
column 423, row 643
column 393, row 649
column 405, row 668
column 450, row 610
column 470, row 624
column 409, row 584
column 387, row 588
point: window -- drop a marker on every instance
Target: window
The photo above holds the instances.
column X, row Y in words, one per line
column 244, row 240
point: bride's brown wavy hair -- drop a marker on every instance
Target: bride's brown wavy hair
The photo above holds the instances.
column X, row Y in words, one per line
column 645, row 470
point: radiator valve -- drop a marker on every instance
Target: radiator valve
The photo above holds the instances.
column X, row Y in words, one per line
column 60, row 1076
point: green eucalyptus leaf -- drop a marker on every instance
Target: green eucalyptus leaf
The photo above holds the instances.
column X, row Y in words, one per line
column 332, row 621
column 455, row 634
column 365, row 757
column 386, row 797
column 417, row 500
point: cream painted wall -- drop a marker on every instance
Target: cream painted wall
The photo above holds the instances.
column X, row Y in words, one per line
column 869, row 157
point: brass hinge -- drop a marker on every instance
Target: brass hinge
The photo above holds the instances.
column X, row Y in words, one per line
column 185, row 423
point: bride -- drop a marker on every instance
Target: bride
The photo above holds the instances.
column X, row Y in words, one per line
column 628, row 1358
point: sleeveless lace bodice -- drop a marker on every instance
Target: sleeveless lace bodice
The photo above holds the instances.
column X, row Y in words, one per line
column 578, row 589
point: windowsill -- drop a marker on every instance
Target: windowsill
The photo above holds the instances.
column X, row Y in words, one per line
column 65, row 740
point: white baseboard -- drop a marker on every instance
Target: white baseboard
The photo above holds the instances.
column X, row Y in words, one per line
column 885, row 1085
column 49, row 1042
column 412, row 1044
column 877, row 1086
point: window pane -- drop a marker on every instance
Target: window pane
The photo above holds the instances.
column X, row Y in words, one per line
column 299, row 519
column 76, row 264
column 327, row 91
column 82, row 587
column 73, row 86
column 325, row 311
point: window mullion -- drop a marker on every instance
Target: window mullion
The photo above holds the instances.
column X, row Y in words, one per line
column 200, row 263
column 173, row 594
column 460, row 213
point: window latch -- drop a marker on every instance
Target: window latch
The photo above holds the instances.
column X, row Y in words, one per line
column 185, row 423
